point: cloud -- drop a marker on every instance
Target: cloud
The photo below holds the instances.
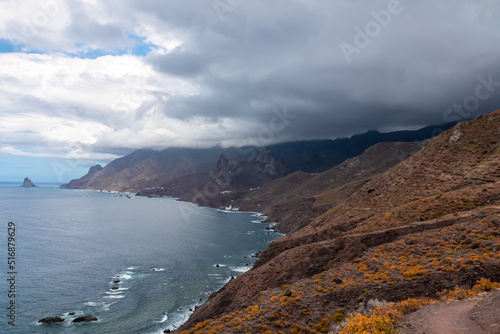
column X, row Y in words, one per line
column 183, row 64
column 214, row 78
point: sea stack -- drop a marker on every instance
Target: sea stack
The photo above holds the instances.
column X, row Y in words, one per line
column 27, row 183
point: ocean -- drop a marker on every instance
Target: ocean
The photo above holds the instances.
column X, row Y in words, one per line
column 69, row 246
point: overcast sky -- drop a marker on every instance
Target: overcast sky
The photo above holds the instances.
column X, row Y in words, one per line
column 86, row 81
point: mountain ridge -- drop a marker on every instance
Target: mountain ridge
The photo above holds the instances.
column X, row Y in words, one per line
column 148, row 168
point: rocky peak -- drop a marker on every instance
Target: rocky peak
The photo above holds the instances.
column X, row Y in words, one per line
column 268, row 163
column 265, row 156
column 223, row 163
column 94, row 169
column 27, row 183
column 222, row 173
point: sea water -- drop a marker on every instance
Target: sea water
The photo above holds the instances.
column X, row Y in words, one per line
column 71, row 245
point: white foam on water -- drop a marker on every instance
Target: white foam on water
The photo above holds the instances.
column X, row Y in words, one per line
column 184, row 316
column 240, row 269
column 225, row 280
column 131, row 268
column 165, row 318
column 158, row 269
column 114, row 297
column 123, row 276
column 93, row 304
column 105, row 307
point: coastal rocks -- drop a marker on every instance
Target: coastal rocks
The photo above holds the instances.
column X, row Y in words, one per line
column 50, row 320
column 27, row 183
column 85, row 318
column 56, row 320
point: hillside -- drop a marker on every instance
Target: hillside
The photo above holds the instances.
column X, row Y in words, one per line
column 427, row 224
column 296, row 199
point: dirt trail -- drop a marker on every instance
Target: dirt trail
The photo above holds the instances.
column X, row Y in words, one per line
column 478, row 315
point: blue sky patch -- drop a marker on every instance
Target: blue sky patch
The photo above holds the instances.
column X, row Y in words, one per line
column 6, row 46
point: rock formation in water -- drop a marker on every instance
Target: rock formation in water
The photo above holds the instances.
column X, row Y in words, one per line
column 85, row 318
column 27, row 183
column 51, row 320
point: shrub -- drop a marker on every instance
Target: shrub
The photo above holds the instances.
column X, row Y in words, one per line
column 339, row 316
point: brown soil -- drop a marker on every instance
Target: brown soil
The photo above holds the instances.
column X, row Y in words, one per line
column 478, row 315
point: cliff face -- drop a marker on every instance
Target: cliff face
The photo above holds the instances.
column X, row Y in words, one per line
column 426, row 224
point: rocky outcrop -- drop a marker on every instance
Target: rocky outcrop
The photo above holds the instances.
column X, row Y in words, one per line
column 222, row 173
column 267, row 163
column 50, row 320
column 85, row 318
column 27, row 183
column 94, row 169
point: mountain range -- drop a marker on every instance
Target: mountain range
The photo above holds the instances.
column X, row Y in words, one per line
column 180, row 171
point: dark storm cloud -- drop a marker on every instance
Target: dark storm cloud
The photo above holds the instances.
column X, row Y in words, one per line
column 184, row 64
column 264, row 55
column 339, row 67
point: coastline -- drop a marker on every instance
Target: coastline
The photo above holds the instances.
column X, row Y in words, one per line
column 205, row 296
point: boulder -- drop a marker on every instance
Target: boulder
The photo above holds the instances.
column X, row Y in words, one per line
column 85, row 318
column 50, row 320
